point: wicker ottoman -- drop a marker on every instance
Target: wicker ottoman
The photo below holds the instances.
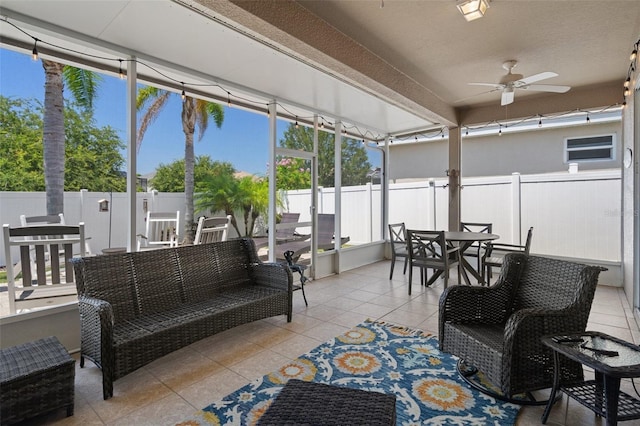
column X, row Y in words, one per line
column 35, row 378
column 315, row 404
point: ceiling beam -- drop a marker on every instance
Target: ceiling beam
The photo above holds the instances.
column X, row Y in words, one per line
column 312, row 40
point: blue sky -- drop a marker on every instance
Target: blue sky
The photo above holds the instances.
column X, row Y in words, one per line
column 242, row 140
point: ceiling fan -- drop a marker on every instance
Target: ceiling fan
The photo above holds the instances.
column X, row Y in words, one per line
column 509, row 82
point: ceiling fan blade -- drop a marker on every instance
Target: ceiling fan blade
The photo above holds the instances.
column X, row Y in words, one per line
column 494, row 85
column 507, row 97
column 476, row 95
column 546, row 88
column 536, row 77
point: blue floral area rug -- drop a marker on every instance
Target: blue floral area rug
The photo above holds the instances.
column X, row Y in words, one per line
column 378, row 357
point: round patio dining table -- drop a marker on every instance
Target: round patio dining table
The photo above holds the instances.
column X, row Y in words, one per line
column 464, row 240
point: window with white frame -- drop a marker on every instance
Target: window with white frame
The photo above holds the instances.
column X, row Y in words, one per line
column 589, row 148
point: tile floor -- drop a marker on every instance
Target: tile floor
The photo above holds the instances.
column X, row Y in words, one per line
column 172, row 388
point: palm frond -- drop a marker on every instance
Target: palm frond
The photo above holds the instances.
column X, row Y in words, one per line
column 83, row 85
column 144, row 95
column 152, row 113
column 217, row 112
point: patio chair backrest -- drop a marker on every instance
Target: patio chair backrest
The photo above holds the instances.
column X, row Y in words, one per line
column 56, row 219
column 552, row 284
column 427, row 246
column 41, row 249
column 326, row 228
column 161, row 230
column 42, row 220
column 398, row 238
column 287, row 232
column 212, row 229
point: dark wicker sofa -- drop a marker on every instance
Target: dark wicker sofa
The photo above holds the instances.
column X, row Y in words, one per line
column 137, row 307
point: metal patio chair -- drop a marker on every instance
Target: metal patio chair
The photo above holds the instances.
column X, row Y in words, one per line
column 398, row 239
column 476, row 249
column 495, row 252
column 429, row 250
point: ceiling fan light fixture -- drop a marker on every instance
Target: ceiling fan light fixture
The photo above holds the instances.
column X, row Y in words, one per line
column 472, row 9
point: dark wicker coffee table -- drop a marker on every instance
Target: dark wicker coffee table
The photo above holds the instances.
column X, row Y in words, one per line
column 315, row 404
column 35, row 378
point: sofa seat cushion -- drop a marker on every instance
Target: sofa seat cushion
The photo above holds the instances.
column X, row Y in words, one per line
column 183, row 314
column 248, row 293
column 180, row 315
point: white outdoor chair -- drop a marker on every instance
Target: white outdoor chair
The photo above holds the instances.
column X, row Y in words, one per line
column 51, row 220
column 48, row 248
column 212, row 229
column 161, row 231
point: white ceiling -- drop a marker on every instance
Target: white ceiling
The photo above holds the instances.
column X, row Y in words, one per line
column 396, row 69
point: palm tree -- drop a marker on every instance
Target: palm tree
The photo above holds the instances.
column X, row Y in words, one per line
column 254, row 200
column 195, row 112
column 218, row 193
column 83, row 85
column 224, row 192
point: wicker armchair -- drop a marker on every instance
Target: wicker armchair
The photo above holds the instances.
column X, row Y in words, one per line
column 497, row 329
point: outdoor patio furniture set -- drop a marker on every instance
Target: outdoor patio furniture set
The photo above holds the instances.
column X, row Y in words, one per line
column 136, row 307
column 442, row 250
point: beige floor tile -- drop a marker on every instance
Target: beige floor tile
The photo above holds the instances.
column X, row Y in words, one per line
column 349, row 319
column 212, row 388
column 129, row 394
column 418, row 306
column 405, row 318
column 166, row 411
column 326, row 331
column 267, row 335
column 231, row 350
column 371, row 310
column 323, row 312
column 295, row 346
column 430, row 325
column 178, row 372
column 362, row 295
column 300, row 322
column 390, row 301
column 610, row 320
column 259, row 364
column 344, row 303
column 609, row 309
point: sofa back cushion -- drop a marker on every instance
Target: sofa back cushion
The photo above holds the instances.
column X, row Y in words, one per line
column 157, row 280
column 207, row 269
column 108, row 278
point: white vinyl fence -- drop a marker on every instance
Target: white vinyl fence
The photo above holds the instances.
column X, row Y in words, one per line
column 573, row 215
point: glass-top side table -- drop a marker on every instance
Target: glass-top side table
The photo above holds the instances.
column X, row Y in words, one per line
column 611, row 359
